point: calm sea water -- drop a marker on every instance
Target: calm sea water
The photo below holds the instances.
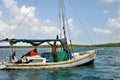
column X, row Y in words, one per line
column 105, row 67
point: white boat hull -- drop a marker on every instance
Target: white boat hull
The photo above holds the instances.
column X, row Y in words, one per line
column 78, row 59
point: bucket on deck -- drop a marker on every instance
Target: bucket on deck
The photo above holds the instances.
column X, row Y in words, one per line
column 47, row 55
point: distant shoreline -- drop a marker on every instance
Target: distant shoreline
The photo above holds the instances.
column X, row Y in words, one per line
column 74, row 46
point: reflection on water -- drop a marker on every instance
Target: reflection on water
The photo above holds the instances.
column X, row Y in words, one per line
column 106, row 67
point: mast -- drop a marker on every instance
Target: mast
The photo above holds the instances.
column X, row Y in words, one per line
column 63, row 18
column 64, row 40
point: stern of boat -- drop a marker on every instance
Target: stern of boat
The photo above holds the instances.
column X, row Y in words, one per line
column 86, row 57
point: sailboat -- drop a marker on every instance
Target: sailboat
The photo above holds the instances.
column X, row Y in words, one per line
column 65, row 57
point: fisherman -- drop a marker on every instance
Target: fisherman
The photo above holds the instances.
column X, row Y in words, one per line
column 31, row 53
column 54, row 46
column 14, row 59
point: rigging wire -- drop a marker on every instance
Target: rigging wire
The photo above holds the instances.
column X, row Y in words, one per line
column 80, row 22
column 2, row 35
column 11, row 46
column 23, row 18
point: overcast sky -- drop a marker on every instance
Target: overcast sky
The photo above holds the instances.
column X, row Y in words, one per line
column 90, row 22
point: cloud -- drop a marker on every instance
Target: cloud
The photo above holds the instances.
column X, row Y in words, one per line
column 110, row 1
column 73, row 30
column 111, row 29
column 24, row 19
column 10, row 3
column 5, row 29
column 101, row 31
column 0, row 13
column 23, row 23
column 114, row 23
column 105, row 11
column 119, row 11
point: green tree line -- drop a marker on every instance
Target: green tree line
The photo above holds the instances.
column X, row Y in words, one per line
column 74, row 45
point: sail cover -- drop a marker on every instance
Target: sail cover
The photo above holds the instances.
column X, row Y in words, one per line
column 34, row 42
